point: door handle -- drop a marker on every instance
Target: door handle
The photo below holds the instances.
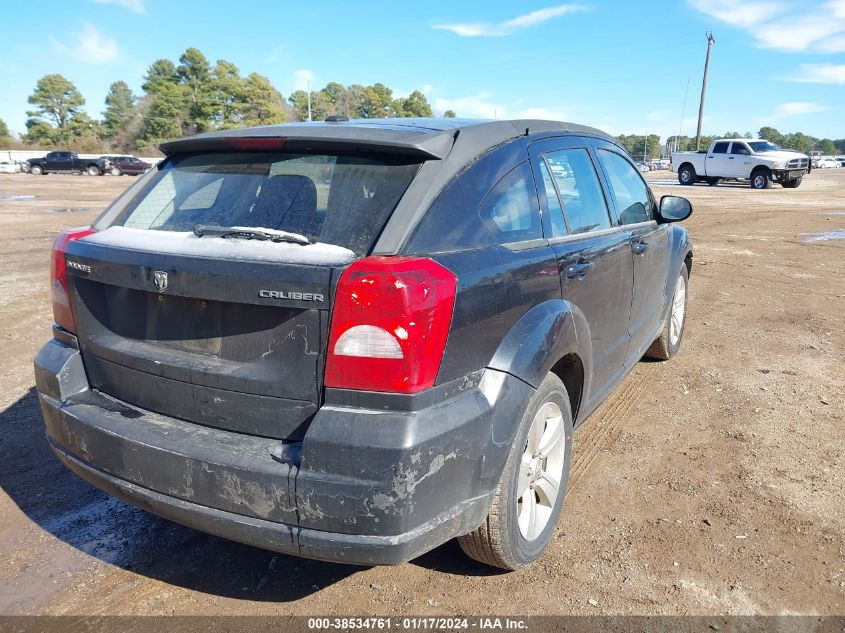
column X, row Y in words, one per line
column 577, row 271
column 639, row 247
column 730, row 157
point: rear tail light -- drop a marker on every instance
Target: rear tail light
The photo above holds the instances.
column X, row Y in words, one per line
column 390, row 321
column 62, row 313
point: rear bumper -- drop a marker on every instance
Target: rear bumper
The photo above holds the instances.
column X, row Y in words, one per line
column 365, row 486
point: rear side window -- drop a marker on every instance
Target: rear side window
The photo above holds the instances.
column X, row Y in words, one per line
column 510, row 210
column 580, row 192
column 720, row 148
column 633, row 199
column 334, row 199
column 558, row 225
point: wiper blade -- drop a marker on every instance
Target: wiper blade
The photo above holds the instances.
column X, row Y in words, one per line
column 245, row 233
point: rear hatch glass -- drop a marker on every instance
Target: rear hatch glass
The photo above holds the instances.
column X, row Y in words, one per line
column 343, row 200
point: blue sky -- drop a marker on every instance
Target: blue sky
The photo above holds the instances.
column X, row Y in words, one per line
column 622, row 66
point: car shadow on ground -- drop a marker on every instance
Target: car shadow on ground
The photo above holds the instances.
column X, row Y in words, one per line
column 119, row 534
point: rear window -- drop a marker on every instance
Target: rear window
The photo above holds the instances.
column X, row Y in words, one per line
column 330, row 198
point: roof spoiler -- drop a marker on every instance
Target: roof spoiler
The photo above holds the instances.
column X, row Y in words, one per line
column 315, row 138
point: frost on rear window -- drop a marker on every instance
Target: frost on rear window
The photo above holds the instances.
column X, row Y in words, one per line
column 337, row 199
column 188, row 244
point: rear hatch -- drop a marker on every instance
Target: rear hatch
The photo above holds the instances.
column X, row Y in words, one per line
column 228, row 332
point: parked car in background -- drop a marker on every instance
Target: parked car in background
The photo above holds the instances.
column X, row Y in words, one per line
column 828, row 163
column 840, row 160
column 9, row 167
column 755, row 160
column 360, row 366
column 68, row 162
column 129, row 165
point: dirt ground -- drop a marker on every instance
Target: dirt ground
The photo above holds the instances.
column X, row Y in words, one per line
column 711, row 484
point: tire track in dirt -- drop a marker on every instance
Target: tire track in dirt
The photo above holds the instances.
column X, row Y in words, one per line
column 606, row 424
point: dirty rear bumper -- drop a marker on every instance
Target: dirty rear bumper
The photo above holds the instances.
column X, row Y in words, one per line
column 377, row 479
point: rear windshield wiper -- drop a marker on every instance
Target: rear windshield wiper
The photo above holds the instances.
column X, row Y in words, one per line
column 250, row 234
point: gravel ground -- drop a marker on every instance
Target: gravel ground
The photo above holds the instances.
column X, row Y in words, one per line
column 711, row 484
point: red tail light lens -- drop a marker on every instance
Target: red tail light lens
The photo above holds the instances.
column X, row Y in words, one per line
column 390, row 323
column 62, row 314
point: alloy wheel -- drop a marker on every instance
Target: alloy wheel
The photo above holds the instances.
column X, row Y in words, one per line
column 540, row 471
column 679, row 306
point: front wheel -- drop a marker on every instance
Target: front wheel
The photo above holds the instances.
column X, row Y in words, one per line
column 668, row 342
column 792, row 183
column 36, row 170
column 528, row 499
column 761, row 178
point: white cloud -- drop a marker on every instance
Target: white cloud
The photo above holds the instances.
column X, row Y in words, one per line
column 544, row 114
column 301, row 78
column 748, row 13
column 791, row 27
column 89, row 47
column 792, row 109
column 498, row 29
column 476, row 106
column 482, row 106
column 820, row 74
column 136, row 6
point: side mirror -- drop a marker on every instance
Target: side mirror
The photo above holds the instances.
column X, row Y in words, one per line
column 674, row 209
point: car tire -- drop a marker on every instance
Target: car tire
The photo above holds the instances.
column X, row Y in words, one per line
column 686, row 175
column 517, row 531
column 792, row 183
column 115, row 171
column 713, row 181
column 761, row 178
column 668, row 342
column 93, row 170
column 36, row 170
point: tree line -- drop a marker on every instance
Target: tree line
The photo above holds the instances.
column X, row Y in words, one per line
column 191, row 95
column 640, row 145
column 187, row 97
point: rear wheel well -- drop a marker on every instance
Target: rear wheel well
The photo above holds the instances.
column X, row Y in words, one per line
column 570, row 370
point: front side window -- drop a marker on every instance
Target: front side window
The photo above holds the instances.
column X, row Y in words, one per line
column 335, row 199
column 633, row 199
column 510, row 210
column 739, row 149
column 580, row 191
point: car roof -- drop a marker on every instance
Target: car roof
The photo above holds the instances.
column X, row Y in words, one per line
column 423, row 137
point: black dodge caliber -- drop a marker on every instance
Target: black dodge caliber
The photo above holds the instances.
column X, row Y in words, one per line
column 356, row 340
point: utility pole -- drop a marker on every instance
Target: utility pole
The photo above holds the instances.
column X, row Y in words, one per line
column 710, row 41
column 308, row 87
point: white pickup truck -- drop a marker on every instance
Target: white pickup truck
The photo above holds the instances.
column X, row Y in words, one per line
column 758, row 161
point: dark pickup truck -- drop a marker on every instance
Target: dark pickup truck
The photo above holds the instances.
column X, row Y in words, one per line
column 356, row 340
column 69, row 162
